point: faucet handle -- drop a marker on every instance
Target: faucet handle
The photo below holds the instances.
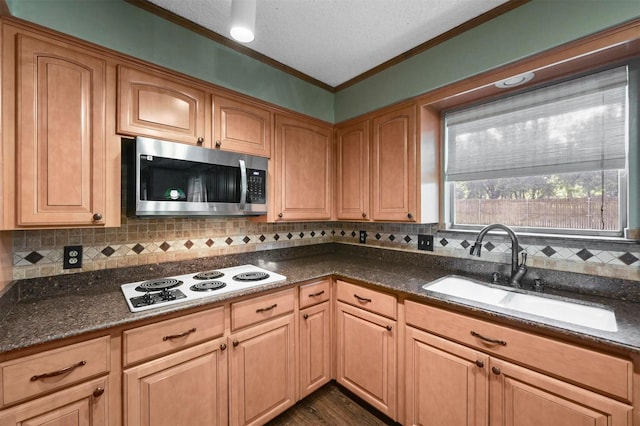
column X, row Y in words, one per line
column 495, row 277
column 524, row 259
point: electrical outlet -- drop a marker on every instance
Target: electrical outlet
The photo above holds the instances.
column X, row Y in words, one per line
column 363, row 237
column 425, row 242
column 72, row 257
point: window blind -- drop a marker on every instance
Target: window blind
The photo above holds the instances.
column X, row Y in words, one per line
column 574, row 126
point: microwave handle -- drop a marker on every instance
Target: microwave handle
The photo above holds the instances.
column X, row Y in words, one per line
column 243, row 184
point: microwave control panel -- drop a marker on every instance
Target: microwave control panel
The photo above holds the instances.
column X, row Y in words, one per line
column 256, row 186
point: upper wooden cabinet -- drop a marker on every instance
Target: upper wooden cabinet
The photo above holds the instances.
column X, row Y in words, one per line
column 153, row 105
column 303, row 163
column 394, row 166
column 67, row 167
column 352, row 171
column 241, row 127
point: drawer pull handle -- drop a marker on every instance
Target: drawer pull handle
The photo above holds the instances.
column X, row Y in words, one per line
column 480, row 363
column 98, row 392
column 59, row 372
column 305, row 316
column 388, row 327
column 177, row 336
column 488, row 339
column 266, row 309
column 496, row 371
column 235, row 343
column 362, row 299
column 316, row 294
column 223, row 346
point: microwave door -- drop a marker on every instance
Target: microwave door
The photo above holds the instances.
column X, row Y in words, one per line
column 243, row 185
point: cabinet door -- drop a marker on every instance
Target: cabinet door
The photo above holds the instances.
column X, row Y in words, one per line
column 188, row 387
column 366, row 346
column 155, row 106
column 521, row 397
column 352, row 162
column 81, row 405
column 262, row 371
column 315, row 348
column 394, row 166
column 303, row 166
column 446, row 383
column 60, row 142
column 241, row 127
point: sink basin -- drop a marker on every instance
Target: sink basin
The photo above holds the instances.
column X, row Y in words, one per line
column 573, row 312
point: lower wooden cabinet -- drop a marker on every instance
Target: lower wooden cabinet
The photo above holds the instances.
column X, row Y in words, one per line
column 81, row 405
column 315, row 348
column 262, row 371
column 188, row 387
column 366, row 349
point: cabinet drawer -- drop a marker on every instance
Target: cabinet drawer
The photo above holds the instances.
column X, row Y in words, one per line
column 29, row 376
column 166, row 336
column 601, row 372
column 315, row 292
column 365, row 298
column 261, row 308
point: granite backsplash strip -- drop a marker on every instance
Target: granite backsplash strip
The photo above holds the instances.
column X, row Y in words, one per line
column 38, row 253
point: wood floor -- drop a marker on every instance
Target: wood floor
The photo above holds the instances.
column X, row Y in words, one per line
column 331, row 405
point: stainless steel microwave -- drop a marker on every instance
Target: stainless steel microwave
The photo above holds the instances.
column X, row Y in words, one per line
column 173, row 179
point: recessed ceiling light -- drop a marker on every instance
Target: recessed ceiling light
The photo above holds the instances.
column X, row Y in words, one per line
column 515, row 80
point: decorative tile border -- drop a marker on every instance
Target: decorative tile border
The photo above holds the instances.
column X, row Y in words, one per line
column 40, row 254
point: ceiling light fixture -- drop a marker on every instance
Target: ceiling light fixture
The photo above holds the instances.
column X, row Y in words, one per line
column 515, row 80
column 243, row 20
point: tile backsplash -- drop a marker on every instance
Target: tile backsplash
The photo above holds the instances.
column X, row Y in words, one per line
column 39, row 253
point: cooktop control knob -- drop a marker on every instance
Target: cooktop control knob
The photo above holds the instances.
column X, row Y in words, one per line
column 165, row 294
column 147, row 299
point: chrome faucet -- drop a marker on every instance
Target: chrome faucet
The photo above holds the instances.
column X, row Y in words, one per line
column 518, row 271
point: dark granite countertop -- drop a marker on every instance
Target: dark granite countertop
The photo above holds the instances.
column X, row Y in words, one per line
column 80, row 303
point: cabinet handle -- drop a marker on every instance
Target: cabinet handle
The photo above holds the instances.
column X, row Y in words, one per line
column 223, row 346
column 218, row 143
column 410, row 216
column 98, row 391
column 266, row 309
column 488, row 339
column 177, row 336
column 59, row 372
column 305, row 316
column 235, row 343
column 496, row 371
column 200, row 140
column 362, row 299
column 97, row 216
column 316, row 294
column 388, row 327
column 279, row 214
column 364, row 214
column 480, row 363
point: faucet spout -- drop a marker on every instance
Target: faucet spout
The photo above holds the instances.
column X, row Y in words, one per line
column 517, row 271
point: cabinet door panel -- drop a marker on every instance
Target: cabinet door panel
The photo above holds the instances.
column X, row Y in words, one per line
column 367, row 356
column 521, row 397
column 352, row 201
column 61, row 139
column 394, row 166
column 241, row 127
column 262, row 372
column 446, row 383
column 315, row 348
column 185, row 388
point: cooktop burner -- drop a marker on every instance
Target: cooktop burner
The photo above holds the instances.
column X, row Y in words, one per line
column 208, row 275
column 251, row 276
column 208, row 286
column 159, row 284
column 150, row 294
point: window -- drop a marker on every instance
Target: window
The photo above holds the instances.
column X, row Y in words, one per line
column 548, row 160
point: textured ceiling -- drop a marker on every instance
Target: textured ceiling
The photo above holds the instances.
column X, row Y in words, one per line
column 334, row 41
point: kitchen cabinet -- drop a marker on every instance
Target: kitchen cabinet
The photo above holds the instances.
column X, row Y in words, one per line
column 394, row 166
column 315, row 336
column 156, row 105
column 66, row 385
column 262, row 373
column 241, row 127
column 188, row 387
column 303, row 165
column 352, row 171
column 57, row 105
column 457, row 373
column 367, row 345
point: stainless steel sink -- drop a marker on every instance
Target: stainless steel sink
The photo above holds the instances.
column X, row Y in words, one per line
column 573, row 312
